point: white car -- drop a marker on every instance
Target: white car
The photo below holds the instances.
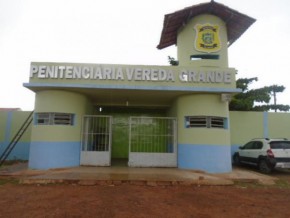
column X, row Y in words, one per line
column 265, row 153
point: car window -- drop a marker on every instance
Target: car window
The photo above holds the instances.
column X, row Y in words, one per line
column 258, row 145
column 280, row 145
column 249, row 145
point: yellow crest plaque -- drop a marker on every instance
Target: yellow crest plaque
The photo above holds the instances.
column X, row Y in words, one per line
column 207, row 38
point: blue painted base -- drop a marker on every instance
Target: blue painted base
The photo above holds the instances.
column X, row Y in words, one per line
column 20, row 151
column 209, row 158
column 46, row 155
column 234, row 148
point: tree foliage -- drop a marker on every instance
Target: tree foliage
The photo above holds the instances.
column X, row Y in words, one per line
column 251, row 99
column 172, row 61
column 245, row 101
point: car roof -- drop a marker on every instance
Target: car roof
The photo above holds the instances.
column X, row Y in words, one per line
column 271, row 139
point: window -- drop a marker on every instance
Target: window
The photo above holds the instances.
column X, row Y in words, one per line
column 204, row 56
column 63, row 119
column 216, row 122
column 42, row 118
column 249, row 145
column 253, row 145
column 205, row 122
column 258, row 145
column 196, row 122
column 54, row 119
column 280, row 145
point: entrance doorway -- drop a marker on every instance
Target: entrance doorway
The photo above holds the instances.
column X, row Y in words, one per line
column 153, row 142
column 96, row 141
column 121, row 126
column 129, row 137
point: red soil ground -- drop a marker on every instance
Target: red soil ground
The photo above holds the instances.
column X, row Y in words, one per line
column 125, row 200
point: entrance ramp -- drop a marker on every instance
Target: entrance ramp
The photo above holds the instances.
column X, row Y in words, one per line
column 123, row 175
column 135, row 176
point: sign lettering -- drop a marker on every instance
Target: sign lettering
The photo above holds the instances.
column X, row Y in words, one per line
column 119, row 73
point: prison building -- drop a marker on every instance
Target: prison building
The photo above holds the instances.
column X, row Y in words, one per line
column 148, row 116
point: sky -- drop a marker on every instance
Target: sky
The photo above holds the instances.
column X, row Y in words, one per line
column 127, row 32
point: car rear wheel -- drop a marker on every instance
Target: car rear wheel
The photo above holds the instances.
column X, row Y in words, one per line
column 263, row 167
column 236, row 159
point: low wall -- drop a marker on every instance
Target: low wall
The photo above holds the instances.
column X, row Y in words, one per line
column 10, row 123
column 245, row 126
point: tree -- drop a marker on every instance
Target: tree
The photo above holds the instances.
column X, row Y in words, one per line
column 245, row 101
column 172, row 61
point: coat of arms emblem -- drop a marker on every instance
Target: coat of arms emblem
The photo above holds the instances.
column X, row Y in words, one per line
column 207, row 38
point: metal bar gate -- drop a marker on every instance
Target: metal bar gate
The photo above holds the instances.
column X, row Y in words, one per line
column 96, row 140
column 152, row 142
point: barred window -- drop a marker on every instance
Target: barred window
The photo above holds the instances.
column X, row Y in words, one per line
column 54, row 119
column 205, row 122
column 42, row 118
column 217, row 122
column 196, row 122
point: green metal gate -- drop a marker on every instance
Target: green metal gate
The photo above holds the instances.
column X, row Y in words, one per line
column 152, row 142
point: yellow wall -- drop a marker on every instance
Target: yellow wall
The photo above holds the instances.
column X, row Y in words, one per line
column 10, row 124
column 201, row 105
column 245, row 126
column 63, row 102
column 279, row 125
column 3, row 120
column 15, row 122
column 248, row 125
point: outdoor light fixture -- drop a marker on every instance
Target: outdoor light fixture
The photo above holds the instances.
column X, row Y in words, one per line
column 225, row 97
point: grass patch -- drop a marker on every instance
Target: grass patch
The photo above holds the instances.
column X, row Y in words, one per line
column 251, row 184
column 8, row 180
column 12, row 162
column 281, row 183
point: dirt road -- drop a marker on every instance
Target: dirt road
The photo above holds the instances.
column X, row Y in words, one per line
column 241, row 200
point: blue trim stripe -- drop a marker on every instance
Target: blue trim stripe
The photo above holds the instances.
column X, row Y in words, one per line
column 210, row 158
column 134, row 87
column 265, row 124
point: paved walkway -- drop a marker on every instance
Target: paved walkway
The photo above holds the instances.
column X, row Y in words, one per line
column 139, row 176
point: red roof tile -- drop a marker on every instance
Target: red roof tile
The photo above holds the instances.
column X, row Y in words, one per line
column 236, row 22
